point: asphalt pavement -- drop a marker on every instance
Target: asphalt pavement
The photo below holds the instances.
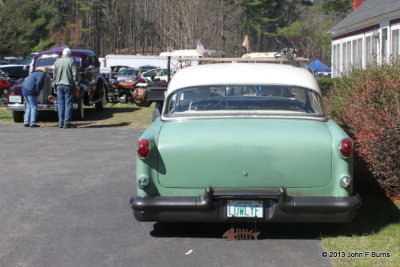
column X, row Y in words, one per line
column 64, row 201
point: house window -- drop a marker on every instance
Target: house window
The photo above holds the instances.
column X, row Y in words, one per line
column 395, row 44
column 348, row 58
column 374, row 48
column 336, row 60
column 384, row 45
column 357, row 53
column 346, row 53
column 368, row 50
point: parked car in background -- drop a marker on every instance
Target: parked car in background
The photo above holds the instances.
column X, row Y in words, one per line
column 244, row 142
column 113, row 74
column 5, row 83
column 126, row 75
column 145, row 68
column 91, row 90
column 160, row 74
column 118, row 68
column 14, row 60
column 18, row 71
column 11, row 75
column 15, row 71
column 323, row 74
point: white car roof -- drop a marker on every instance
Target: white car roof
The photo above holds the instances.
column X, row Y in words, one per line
column 242, row 73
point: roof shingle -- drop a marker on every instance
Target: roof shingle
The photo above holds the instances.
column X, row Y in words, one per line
column 369, row 9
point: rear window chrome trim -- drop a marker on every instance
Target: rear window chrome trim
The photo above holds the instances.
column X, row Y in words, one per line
column 185, row 118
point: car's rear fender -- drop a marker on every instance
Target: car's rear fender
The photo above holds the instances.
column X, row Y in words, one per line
column 147, row 168
column 341, row 167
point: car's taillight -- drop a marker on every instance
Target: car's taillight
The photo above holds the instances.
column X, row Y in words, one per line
column 51, row 99
column 143, row 148
column 5, row 84
column 346, row 147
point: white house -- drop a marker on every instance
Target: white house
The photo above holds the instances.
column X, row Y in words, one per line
column 368, row 35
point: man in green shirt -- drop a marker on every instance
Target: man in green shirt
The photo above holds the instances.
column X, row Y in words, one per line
column 65, row 78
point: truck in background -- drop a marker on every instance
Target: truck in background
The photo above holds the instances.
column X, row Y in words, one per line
column 133, row 61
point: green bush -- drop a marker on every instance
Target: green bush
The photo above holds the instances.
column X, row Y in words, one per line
column 326, row 84
column 366, row 103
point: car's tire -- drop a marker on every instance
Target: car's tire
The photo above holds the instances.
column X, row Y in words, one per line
column 18, row 116
column 79, row 114
column 102, row 104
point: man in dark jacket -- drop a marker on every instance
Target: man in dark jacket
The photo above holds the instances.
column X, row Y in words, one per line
column 65, row 78
column 31, row 88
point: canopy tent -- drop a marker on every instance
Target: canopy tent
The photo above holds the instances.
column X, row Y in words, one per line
column 318, row 66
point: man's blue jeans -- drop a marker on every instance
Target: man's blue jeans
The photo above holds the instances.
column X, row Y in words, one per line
column 65, row 100
column 31, row 105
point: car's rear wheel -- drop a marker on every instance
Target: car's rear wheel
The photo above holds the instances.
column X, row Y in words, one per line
column 79, row 114
column 102, row 104
column 18, row 116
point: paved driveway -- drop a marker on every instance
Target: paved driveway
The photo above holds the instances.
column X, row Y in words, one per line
column 64, row 197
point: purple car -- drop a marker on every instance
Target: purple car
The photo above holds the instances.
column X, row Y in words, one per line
column 91, row 91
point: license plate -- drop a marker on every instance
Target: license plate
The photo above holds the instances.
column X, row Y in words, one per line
column 15, row 98
column 244, row 208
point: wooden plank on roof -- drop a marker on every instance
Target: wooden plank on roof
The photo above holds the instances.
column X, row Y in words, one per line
column 221, row 60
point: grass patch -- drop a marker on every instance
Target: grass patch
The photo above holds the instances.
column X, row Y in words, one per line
column 5, row 115
column 372, row 239
column 119, row 115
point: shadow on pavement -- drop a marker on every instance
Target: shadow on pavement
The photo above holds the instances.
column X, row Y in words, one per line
column 92, row 114
column 89, row 125
column 377, row 212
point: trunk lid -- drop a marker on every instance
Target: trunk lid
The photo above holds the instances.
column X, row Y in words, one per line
column 244, row 153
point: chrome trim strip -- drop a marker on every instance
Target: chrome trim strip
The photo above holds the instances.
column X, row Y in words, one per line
column 323, row 119
column 41, row 107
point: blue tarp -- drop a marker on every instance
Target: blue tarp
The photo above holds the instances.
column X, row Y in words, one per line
column 318, row 66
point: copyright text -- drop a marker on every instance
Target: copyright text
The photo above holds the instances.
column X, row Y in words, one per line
column 355, row 254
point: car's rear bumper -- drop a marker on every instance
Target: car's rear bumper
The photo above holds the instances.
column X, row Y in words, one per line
column 41, row 107
column 278, row 207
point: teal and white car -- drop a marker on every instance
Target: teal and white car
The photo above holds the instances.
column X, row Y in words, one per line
column 244, row 142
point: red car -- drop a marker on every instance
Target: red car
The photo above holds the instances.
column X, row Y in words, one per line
column 92, row 89
column 5, row 84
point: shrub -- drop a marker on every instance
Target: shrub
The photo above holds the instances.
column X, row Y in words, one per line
column 367, row 105
column 326, row 84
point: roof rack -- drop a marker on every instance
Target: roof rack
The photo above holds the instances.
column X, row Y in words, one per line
column 255, row 60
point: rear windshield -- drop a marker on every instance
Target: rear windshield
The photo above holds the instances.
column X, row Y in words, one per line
column 264, row 100
column 49, row 60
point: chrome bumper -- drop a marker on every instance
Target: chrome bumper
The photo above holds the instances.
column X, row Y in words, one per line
column 278, row 207
column 41, row 107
